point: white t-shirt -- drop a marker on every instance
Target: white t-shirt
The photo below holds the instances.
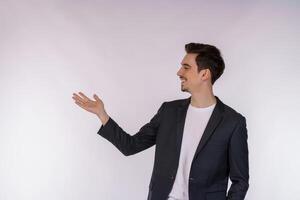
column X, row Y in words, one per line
column 195, row 123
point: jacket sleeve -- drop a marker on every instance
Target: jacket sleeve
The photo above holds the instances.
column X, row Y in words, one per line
column 132, row 144
column 238, row 162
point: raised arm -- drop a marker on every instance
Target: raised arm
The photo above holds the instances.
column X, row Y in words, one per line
column 110, row 130
column 132, row 144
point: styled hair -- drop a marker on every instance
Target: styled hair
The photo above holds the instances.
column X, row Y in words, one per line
column 209, row 57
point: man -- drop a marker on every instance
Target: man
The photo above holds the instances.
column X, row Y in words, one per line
column 200, row 141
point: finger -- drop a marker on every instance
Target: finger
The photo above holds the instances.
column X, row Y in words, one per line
column 78, row 98
column 85, row 97
column 80, row 104
column 96, row 97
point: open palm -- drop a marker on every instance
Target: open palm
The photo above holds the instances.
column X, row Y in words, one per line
column 96, row 107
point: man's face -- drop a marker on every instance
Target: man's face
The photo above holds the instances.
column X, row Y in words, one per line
column 188, row 73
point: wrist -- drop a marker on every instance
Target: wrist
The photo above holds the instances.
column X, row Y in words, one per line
column 103, row 116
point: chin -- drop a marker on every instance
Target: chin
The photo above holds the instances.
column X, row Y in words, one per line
column 184, row 89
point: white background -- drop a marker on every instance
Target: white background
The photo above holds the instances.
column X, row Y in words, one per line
column 128, row 52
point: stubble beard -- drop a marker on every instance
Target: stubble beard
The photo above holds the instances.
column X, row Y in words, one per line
column 183, row 89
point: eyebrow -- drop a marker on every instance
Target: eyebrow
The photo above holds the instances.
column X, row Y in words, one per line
column 185, row 64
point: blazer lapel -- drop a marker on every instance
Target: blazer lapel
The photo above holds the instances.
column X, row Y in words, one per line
column 181, row 115
column 212, row 124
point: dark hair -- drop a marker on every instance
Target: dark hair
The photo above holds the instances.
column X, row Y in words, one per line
column 209, row 57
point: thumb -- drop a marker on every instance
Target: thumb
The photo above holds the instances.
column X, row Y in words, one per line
column 96, row 97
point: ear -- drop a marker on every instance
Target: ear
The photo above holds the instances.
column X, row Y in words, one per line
column 205, row 74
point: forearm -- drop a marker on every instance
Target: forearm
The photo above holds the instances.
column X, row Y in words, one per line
column 126, row 143
column 117, row 136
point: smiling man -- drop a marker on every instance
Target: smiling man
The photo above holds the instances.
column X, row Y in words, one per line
column 200, row 142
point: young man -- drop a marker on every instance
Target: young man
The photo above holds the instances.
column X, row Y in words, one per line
column 200, row 141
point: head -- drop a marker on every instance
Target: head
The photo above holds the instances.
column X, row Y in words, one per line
column 201, row 67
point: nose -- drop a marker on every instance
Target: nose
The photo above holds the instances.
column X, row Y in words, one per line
column 179, row 72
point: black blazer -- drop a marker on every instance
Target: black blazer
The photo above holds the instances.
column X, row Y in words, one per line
column 222, row 151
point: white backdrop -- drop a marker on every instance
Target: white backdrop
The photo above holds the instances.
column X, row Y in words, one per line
column 128, row 52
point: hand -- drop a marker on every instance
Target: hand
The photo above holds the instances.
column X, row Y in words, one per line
column 96, row 107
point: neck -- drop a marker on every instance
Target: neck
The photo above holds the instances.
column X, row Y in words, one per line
column 203, row 98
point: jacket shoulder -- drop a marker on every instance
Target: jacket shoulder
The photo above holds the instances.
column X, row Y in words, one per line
column 174, row 103
column 233, row 114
